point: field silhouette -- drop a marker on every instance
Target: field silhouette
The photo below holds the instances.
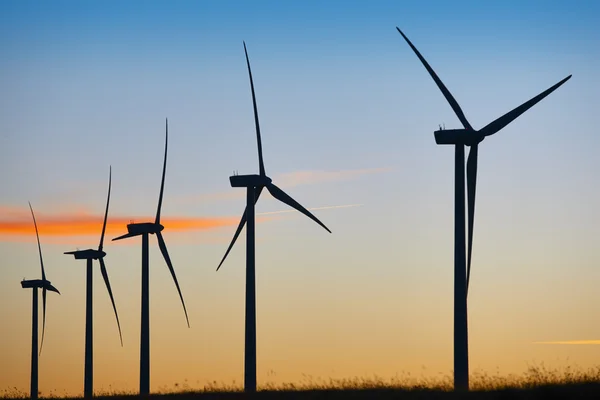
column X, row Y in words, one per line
column 538, row 382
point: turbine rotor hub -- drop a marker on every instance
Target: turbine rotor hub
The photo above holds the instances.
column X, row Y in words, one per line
column 474, row 139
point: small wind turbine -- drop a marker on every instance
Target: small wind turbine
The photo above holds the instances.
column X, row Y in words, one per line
column 144, row 229
column 89, row 255
column 45, row 285
column 254, row 185
column 461, row 138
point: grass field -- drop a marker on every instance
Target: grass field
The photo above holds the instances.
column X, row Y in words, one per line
column 537, row 383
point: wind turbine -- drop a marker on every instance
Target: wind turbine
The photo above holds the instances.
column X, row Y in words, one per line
column 254, row 185
column 461, row 138
column 35, row 284
column 89, row 255
column 144, row 229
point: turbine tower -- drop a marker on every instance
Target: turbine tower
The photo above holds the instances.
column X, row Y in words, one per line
column 35, row 284
column 89, row 255
column 144, row 229
column 254, row 185
column 461, row 138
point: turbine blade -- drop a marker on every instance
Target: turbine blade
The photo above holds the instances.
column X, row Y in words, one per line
column 127, row 235
column 285, row 198
column 235, row 236
column 45, row 286
column 471, row 189
column 453, row 103
column 38, row 242
column 106, row 212
column 240, row 226
column 110, row 293
column 43, row 317
column 510, row 116
column 261, row 165
column 162, row 183
column 165, row 253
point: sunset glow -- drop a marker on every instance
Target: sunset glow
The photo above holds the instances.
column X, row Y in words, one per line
column 347, row 118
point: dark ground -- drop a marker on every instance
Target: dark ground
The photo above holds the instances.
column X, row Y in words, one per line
column 571, row 391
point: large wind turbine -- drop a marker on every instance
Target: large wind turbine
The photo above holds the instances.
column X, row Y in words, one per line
column 254, row 185
column 45, row 285
column 89, row 255
column 461, row 138
column 144, row 229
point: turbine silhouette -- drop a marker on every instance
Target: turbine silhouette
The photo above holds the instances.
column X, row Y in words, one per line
column 461, row 138
column 89, row 255
column 254, row 185
column 45, row 285
column 144, row 229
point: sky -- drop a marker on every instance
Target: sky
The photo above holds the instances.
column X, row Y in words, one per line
column 347, row 117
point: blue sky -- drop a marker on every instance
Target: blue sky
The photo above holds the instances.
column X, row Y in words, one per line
column 174, row 60
column 347, row 115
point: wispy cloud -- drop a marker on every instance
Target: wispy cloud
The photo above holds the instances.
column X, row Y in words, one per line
column 310, row 209
column 297, row 178
column 313, row 177
column 571, row 342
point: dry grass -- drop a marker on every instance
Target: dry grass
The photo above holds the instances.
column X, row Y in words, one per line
column 537, row 382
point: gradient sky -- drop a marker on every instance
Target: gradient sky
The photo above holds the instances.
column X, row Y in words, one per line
column 347, row 114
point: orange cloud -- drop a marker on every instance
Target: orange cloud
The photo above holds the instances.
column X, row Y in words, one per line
column 14, row 221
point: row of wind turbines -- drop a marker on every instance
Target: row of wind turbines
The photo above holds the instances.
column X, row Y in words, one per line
column 254, row 184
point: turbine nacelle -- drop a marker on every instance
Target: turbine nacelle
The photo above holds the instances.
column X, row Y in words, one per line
column 140, row 229
column 144, row 227
column 249, row 180
column 87, row 254
column 458, row 136
column 38, row 283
